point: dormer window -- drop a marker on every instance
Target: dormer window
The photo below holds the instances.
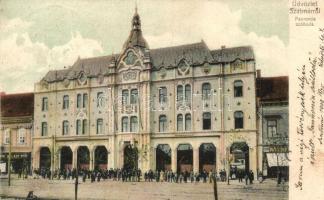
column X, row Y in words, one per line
column 130, row 58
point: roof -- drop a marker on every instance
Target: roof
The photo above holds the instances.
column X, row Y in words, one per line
column 273, row 88
column 17, row 105
column 231, row 54
column 168, row 57
column 194, row 54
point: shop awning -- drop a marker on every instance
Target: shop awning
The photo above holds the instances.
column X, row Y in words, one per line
column 277, row 159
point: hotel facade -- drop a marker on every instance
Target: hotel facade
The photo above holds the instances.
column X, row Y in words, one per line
column 176, row 108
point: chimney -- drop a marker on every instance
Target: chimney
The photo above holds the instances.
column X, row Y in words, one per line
column 258, row 73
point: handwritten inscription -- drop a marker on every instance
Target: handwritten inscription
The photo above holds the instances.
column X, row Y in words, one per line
column 310, row 116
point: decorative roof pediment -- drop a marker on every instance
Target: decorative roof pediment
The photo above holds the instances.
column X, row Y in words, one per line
column 131, row 59
column 183, row 67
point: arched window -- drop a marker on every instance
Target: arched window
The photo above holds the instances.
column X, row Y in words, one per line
column 206, row 91
column 99, row 126
column 188, row 93
column 78, row 127
column 85, row 100
column 179, row 93
column 44, row 129
column 124, row 124
column 238, row 88
column 133, row 124
column 84, row 126
column 65, row 127
column 206, row 121
column 162, row 123
column 179, row 122
column 238, row 116
column 134, row 96
column 65, row 102
column 79, row 99
column 188, row 122
column 125, row 97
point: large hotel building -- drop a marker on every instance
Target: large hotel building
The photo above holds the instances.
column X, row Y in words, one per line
column 177, row 108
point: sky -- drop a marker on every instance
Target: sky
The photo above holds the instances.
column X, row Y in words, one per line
column 39, row 36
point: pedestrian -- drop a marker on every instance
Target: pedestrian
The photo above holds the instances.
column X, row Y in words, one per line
column 251, row 176
column 246, row 177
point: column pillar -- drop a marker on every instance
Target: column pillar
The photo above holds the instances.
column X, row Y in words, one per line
column 92, row 158
column 174, row 159
column 196, row 159
column 74, row 158
column 153, row 161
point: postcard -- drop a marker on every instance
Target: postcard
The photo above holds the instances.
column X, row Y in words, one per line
column 165, row 99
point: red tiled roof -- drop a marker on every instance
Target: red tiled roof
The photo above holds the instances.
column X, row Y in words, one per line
column 17, row 105
column 273, row 88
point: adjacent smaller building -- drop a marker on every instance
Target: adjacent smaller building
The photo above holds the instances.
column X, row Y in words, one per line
column 272, row 99
column 16, row 119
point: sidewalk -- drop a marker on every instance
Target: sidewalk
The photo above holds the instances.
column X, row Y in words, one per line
column 64, row 189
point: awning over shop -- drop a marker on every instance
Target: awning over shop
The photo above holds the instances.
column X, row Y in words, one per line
column 277, row 159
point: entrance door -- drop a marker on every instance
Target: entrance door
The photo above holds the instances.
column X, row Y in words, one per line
column 130, row 157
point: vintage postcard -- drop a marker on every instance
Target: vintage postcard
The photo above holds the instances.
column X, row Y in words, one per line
column 164, row 99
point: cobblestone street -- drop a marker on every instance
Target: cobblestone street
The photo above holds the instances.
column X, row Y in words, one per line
column 59, row 189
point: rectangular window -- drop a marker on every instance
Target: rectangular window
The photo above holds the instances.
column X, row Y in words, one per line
column 44, row 129
column 125, row 97
column 65, row 102
column 79, row 99
column 85, row 100
column 78, row 127
column 100, row 99
column 99, row 126
column 65, row 125
column 206, row 121
column 238, row 116
column 162, row 123
column 84, row 126
column 134, row 96
column 272, row 128
column 238, row 88
column 21, row 136
column 179, row 93
column 162, row 95
column 206, row 91
column 124, row 124
column 133, row 124
column 7, row 136
column 44, row 104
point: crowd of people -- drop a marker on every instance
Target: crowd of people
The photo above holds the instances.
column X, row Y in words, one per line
column 136, row 175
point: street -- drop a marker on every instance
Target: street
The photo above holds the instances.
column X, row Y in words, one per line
column 113, row 190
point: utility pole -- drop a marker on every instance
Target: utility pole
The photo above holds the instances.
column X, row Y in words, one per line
column 215, row 188
column 76, row 181
column 9, row 159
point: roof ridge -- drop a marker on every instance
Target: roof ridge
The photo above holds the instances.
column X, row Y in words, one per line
column 235, row 47
column 177, row 46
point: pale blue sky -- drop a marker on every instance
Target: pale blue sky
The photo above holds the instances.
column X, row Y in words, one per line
column 40, row 35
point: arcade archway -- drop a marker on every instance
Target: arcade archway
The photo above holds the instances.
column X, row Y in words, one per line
column 130, row 157
column 163, row 157
column 207, row 157
column 240, row 157
column 83, row 158
column 44, row 158
column 101, row 158
column 66, row 158
column 184, row 158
